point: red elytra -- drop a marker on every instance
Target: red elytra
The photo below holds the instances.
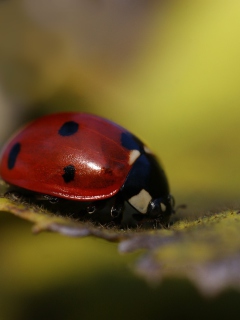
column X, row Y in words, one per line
column 94, row 150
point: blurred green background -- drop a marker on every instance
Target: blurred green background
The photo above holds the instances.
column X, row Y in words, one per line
column 167, row 71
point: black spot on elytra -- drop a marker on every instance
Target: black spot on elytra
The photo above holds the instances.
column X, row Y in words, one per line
column 13, row 154
column 69, row 173
column 130, row 142
column 68, row 128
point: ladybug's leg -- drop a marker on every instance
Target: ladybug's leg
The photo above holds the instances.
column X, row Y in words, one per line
column 123, row 212
column 46, row 197
column 95, row 206
column 118, row 206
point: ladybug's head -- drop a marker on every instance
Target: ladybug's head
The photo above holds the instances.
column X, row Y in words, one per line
column 161, row 207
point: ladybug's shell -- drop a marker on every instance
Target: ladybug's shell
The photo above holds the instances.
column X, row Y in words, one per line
column 87, row 162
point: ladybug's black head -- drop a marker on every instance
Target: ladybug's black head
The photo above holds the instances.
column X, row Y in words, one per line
column 161, row 207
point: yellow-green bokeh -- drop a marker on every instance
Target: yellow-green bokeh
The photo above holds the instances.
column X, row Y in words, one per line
column 178, row 90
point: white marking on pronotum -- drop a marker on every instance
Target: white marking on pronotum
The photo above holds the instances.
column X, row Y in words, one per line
column 147, row 150
column 141, row 201
column 134, row 154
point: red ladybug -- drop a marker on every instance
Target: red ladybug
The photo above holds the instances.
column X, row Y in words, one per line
column 82, row 157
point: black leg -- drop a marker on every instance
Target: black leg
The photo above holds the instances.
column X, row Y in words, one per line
column 45, row 197
column 123, row 213
column 118, row 206
column 95, row 206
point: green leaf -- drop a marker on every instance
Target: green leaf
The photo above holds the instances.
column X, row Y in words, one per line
column 206, row 250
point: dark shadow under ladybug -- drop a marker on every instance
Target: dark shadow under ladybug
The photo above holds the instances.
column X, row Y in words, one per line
column 97, row 212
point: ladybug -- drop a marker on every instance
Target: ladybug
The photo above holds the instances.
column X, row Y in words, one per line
column 90, row 160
